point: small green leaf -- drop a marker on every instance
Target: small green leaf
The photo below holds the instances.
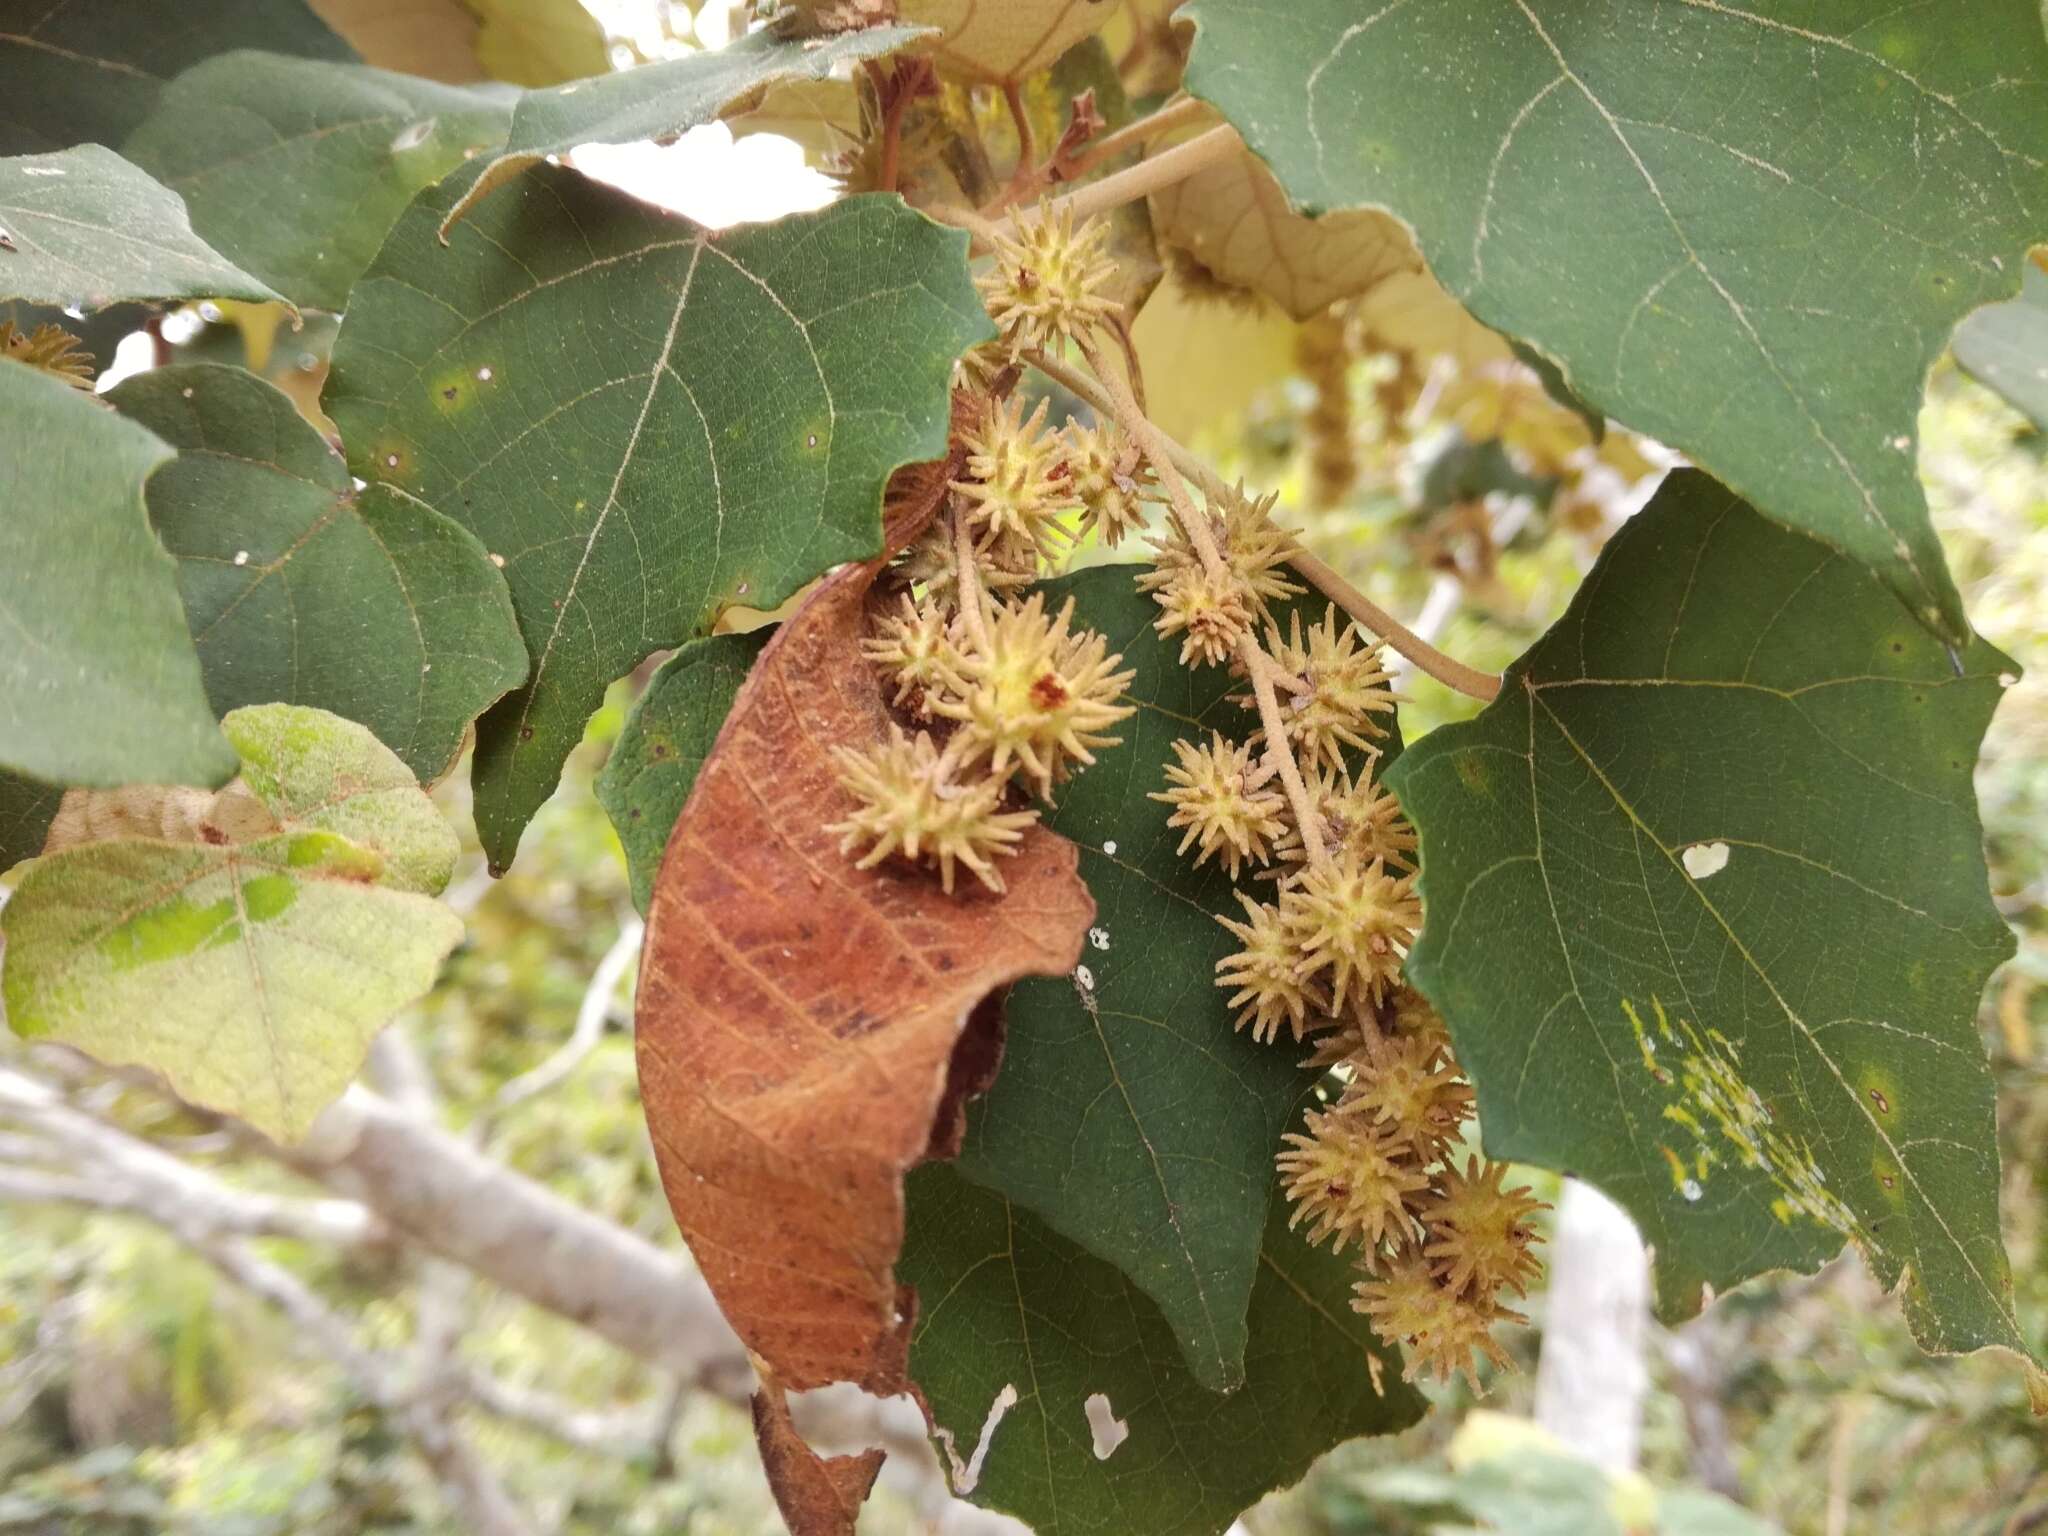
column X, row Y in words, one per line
column 1005, row 1304
column 1129, row 1115
column 300, row 589
column 252, row 970
column 653, row 766
column 663, row 101
column 297, row 168
column 2004, row 347
column 645, row 420
column 86, row 229
column 88, row 71
column 98, row 681
column 1707, row 913
column 1747, row 231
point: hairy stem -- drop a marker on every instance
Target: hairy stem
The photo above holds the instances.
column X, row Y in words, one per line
column 970, row 583
column 1173, row 115
column 1280, row 752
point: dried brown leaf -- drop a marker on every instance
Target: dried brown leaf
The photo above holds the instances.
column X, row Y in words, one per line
column 807, row 1030
column 818, row 1495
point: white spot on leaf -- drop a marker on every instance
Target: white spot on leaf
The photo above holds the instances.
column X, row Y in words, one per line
column 1704, row 859
column 1109, row 1430
column 964, row 1478
column 1099, row 937
column 1110, row 848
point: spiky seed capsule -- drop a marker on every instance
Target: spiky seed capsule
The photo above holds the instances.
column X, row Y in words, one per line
column 1018, row 485
column 1439, row 1329
column 910, row 803
column 50, row 349
column 910, row 644
column 1254, row 548
column 1214, row 797
column 1112, row 480
column 1212, row 614
column 1412, row 1018
column 1037, row 695
column 930, row 565
column 1351, row 1180
column 1353, row 922
column 1343, row 688
column 1046, row 285
column 1402, row 1087
column 1479, row 1234
column 1266, row 972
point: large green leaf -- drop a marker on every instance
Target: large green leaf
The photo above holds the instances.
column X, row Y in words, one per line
column 297, row 168
column 665, row 100
column 1004, row 1302
column 78, row 71
column 98, row 681
column 645, row 420
column 1707, row 914
column 653, row 766
column 1747, row 230
column 2004, row 347
column 86, row 229
column 1129, row 1115
column 251, row 965
column 299, row 589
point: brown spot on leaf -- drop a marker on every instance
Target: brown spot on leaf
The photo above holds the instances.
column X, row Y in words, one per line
column 802, row 1043
column 818, row 1495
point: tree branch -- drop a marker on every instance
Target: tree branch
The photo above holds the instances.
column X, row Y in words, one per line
column 590, row 1021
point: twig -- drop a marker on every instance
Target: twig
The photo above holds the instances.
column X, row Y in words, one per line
column 1448, row 670
column 1279, row 752
column 1027, row 148
column 969, row 577
column 1173, row 115
column 590, row 1021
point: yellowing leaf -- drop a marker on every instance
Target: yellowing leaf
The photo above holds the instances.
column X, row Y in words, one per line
column 998, row 40
column 1206, row 359
column 251, row 964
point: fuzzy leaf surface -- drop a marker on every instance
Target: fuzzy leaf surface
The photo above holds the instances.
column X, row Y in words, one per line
column 297, row 168
column 1747, row 231
column 88, row 71
column 1707, row 913
column 663, row 101
column 300, row 589
column 653, row 766
column 1129, row 1116
column 88, row 230
column 251, row 965
column 1005, row 1301
column 646, row 420
column 98, row 681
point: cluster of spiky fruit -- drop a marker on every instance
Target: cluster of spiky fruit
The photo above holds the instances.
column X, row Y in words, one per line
column 1320, row 955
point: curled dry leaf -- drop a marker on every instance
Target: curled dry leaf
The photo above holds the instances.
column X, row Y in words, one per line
column 818, row 1495
column 808, row 1030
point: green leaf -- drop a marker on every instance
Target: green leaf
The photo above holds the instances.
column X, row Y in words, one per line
column 1708, row 917
column 300, row 589
column 539, row 42
column 1006, row 1302
column 89, row 70
column 653, row 766
column 663, row 101
column 2004, row 347
column 1746, row 231
column 1129, row 1115
column 646, row 420
column 98, row 681
column 298, row 168
column 87, row 229
column 250, row 968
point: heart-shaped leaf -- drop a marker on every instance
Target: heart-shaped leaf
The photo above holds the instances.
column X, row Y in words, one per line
column 251, row 961
column 645, row 420
column 1745, row 230
column 1707, row 914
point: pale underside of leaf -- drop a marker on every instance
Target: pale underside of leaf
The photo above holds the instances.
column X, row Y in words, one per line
column 87, row 229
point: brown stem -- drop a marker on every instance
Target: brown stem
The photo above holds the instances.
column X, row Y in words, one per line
column 1123, row 405
column 1027, row 147
column 969, row 577
column 1173, row 115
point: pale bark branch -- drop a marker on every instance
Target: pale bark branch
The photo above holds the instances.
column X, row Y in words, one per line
column 590, row 1020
